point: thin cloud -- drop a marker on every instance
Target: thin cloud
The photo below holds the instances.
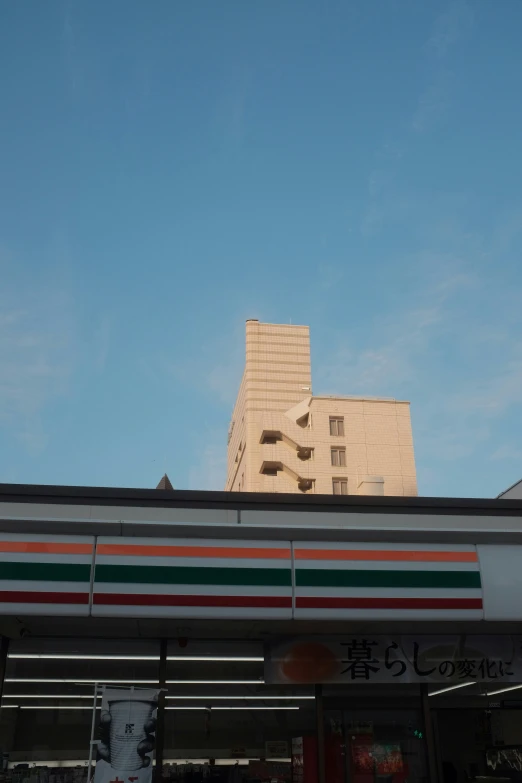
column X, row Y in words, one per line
column 102, row 342
column 35, row 361
column 456, row 21
column 433, row 103
column 329, row 276
column 220, row 379
column 449, row 28
column 507, row 231
column 386, row 368
column 392, row 364
column 493, row 396
column 383, row 208
column 210, row 470
column 507, row 452
column 69, row 50
column 215, row 368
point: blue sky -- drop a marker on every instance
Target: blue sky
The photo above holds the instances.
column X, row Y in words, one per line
column 169, row 169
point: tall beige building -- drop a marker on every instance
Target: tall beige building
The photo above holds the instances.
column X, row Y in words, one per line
column 283, row 439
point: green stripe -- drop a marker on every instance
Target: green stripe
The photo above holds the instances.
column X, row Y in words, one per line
column 174, row 575
column 46, row 572
column 319, row 577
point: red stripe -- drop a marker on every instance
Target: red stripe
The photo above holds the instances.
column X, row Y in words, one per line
column 392, row 555
column 246, row 553
column 389, row 603
column 39, row 547
column 254, row 601
column 26, row 597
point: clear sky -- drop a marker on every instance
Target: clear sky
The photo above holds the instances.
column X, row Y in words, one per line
column 169, row 169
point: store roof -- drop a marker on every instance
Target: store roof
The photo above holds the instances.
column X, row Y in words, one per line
column 165, row 483
column 513, row 492
column 176, row 498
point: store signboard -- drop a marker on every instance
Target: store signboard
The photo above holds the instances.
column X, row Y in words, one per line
column 127, row 729
column 278, row 749
column 448, row 659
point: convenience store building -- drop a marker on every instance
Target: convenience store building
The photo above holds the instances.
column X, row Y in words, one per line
column 339, row 639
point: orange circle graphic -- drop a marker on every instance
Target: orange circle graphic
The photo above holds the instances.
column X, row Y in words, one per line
column 309, row 662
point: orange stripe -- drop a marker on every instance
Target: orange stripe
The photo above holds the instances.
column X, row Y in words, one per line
column 392, row 555
column 138, row 550
column 41, row 548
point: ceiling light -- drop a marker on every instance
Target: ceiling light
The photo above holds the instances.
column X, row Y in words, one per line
column 217, row 658
column 504, row 690
column 45, row 657
column 75, row 681
column 179, row 697
column 48, row 696
column 105, row 681
column 178, row 709
column 214, row 682
column 217, row 697
column 188, row 658
column 241, row 761
column 51, row 707
column 451, row 688
column 246, row 709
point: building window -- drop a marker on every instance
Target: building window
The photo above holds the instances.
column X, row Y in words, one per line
column 340, row 486
column 270, row 472
column 338, row 457
column 336, row 425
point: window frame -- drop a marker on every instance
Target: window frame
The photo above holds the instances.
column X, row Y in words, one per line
column 338, row 456
column 337, row 424
column 340, row 480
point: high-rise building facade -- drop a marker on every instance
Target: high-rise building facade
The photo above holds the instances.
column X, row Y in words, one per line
column 284, row 439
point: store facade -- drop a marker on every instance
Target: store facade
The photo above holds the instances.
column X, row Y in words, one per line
column 307, row 639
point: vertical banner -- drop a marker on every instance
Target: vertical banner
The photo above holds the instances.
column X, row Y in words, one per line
column 127, row 735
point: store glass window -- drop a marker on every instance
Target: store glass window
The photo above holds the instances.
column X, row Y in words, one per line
column 48, row 698
column 478, row 732
column 374, row 734
column 223, row 724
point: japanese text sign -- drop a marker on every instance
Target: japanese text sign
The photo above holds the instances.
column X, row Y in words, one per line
column 387, row 659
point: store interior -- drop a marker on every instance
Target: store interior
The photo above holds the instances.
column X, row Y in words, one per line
column 223, row 723
column 220, row 719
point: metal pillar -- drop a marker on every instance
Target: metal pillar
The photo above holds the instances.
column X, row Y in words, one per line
column 319, row 716
column 93, row 742
column 160, row 723
column 433, row 775
column 4, row 649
